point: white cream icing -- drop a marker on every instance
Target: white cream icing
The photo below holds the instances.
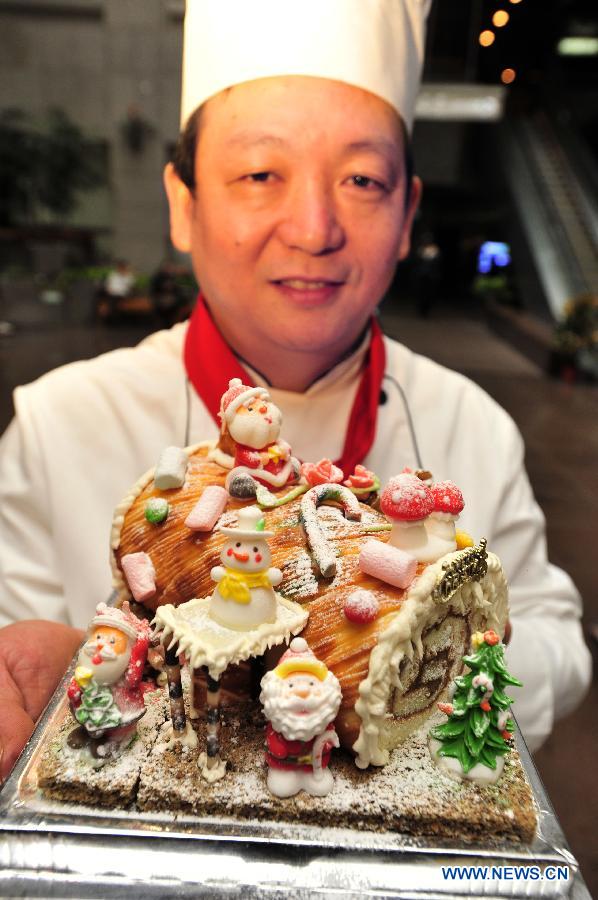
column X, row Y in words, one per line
column 487, row 602
column 220, row 457
column 206, row 643
column 277, row 481
column 213, row 773
column 169, row 739
column 479, row 773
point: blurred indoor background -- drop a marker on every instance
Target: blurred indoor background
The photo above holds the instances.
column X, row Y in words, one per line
column 502, row 281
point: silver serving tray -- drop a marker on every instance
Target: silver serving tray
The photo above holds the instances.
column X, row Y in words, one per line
column 52, row 849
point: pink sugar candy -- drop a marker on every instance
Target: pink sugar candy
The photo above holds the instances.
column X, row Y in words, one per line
column 208, row 508
column 140, row 574
column 389, row 564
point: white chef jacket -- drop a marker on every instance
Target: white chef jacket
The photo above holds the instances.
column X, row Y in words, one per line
column 84, row 433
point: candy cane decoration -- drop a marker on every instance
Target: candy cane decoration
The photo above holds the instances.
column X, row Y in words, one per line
column 323, row 553
column 317, row 751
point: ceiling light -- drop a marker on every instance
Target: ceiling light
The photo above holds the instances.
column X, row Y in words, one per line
column 578, row 46
column 486, row 38
column 500, row 18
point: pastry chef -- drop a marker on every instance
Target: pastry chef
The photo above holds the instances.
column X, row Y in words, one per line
column 292, row 191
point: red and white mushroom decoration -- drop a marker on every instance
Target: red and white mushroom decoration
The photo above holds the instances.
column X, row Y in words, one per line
column 448, row 504
column 407, row 501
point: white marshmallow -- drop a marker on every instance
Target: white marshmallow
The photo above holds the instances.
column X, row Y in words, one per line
column 171, row 469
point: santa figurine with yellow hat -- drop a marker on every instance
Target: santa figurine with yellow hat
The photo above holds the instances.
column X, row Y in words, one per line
column 301, row 699
column 106, row 692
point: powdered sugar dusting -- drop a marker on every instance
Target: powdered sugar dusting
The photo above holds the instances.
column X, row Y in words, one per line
column 447, row 498
column 409, row 795
column 228, row 519
column 406, row 498
column 68, row 774
column 361, row 606
column 298, row 577
column 323, row 553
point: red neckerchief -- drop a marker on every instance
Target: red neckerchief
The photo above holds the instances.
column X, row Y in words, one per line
column 210, row 364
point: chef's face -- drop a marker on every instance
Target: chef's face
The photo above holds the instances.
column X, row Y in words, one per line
column 299, row 214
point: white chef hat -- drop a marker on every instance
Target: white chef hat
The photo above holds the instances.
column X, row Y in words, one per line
column 377, row 45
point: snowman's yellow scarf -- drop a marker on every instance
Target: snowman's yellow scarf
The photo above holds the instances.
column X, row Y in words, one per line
column 237, row 585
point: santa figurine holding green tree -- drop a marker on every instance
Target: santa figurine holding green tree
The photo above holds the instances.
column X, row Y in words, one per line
column 106, row 691
column 473, row 742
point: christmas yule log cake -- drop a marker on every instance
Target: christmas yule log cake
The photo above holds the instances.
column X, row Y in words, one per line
column 394, row 666
column 309, row 608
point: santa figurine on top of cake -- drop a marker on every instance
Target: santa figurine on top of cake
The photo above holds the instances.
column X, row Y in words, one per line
column 250, row 443
column 106, row 692
column 301, row 698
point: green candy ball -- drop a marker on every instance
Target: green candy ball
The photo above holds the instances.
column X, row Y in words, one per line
column 156, row 510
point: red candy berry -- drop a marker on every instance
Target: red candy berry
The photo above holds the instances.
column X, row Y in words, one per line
column 361, row 607
column 507, row 735
column 446, row 708
column 447, row 498
column 485, row 706
column 406, row 498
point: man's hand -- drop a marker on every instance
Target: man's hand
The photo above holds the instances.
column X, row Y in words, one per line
column 33, row 657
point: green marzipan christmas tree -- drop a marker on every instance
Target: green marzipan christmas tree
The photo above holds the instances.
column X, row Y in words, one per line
column 98, row 708
column 472, row 733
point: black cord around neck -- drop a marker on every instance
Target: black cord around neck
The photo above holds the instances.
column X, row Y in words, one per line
column 409, row 418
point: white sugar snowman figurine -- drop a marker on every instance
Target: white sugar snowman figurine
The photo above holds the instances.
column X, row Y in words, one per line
column 244, row 597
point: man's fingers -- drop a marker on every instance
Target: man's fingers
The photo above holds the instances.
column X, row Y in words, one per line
column 15, row 729
column 33, row 657
column 36, row 654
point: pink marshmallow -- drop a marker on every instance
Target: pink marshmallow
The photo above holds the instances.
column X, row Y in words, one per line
column 140, row 574
column 389, row 564
column 208, row 508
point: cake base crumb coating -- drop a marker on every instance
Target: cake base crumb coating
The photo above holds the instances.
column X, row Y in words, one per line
column 409, row 795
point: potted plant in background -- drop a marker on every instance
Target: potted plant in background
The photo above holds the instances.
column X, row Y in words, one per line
column 575, row 343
